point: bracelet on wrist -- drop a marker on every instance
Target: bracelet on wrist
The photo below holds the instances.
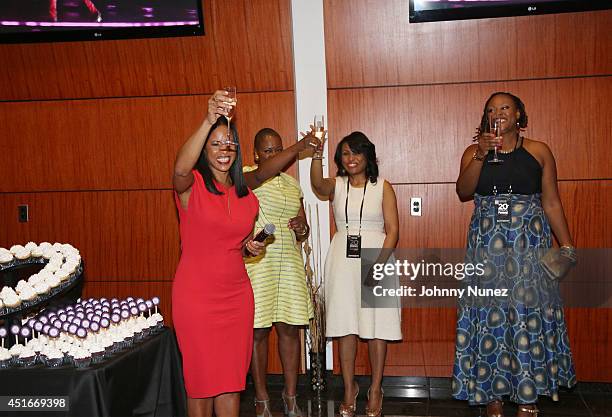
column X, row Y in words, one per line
column 477, row 156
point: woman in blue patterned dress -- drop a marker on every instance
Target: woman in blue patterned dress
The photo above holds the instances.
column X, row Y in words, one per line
column 515, row 346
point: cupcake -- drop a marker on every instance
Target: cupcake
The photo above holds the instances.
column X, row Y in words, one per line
column 27, row 357
column 52, row 357
column 41, row 288
column 11, row 300
column 37, row 253
column 6, row 258
column 22, row 255
column 82, row 358
column 6, row 359
column 98, row 353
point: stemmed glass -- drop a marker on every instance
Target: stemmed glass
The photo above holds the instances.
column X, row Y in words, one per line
column 495, row 126
column 319, row 132
column 231, row 94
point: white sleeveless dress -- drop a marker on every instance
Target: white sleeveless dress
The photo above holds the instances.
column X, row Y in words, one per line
column 344, row 314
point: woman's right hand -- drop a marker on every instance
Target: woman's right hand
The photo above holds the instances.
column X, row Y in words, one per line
column 219, row 105
column 487, row 142
column 309, row 141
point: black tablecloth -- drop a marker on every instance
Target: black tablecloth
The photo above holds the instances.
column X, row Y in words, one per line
column 144, row 381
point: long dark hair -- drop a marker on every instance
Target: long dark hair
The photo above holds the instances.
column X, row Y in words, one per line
column 358, row 143
column 235, row 171
column 520, row 106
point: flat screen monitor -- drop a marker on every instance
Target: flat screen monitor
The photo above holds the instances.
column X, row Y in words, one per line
column 436, row 10
column 75, row 20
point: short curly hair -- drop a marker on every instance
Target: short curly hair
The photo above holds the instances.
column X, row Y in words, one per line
column 520, row 106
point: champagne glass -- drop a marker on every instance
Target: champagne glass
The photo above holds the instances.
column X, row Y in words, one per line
column 231, row 94
column 319, row 132
column 496, row 128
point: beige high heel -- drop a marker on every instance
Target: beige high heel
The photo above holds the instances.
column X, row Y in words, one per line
column 266, row 411
column 295, row 410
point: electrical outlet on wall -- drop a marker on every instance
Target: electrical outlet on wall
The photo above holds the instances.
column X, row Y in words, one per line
column 23, row 213
column 416, row 206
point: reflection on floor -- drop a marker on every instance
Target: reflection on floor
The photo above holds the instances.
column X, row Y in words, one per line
column 423, row 397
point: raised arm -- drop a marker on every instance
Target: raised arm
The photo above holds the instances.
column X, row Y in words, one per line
column 471, row 164
column 323, row 187
column 550, row 196
column 188, row 154
column 272, row 166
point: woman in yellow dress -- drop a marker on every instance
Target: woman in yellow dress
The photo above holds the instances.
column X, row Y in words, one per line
column 278, row 279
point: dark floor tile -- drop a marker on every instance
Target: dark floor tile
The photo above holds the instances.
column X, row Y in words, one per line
column 600, row 404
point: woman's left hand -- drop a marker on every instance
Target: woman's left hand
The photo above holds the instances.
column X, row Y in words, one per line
column 298, row 225
column 254, row 248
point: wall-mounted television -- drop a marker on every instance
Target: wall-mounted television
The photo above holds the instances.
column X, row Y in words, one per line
column 436, row 10
column 76, row 20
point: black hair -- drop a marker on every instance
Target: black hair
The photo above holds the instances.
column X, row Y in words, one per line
column 266, row 131
column 235, row 171
column 360, row 144
column 520, row 106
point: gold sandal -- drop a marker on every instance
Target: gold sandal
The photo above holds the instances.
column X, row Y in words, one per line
column 531, row 412
column 375, row 413
column 497, row 406
column 348, row 410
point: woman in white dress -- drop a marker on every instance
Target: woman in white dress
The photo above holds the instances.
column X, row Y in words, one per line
column 365, row 211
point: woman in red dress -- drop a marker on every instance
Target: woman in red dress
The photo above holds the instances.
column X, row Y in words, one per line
column 212, row 299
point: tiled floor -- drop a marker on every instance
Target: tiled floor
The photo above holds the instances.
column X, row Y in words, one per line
column 422, row 397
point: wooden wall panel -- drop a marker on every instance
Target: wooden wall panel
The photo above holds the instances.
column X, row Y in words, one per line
column 421, row 132
column 247, row 43
column 122, row 235
column 371, row 43
column 70, row 145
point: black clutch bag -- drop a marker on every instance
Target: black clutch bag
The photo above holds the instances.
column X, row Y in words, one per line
column 556, row 263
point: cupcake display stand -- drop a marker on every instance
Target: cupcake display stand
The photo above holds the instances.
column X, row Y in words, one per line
column 61, row 355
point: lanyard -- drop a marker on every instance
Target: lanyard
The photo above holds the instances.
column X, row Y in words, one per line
column 509, row 191
column 346, row 205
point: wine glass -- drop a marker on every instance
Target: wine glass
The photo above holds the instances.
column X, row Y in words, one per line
column 319, row 132
column 496, row 128
column 231, row 94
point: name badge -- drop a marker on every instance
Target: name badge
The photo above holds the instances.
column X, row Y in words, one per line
column 502, row 210
column 353, row 246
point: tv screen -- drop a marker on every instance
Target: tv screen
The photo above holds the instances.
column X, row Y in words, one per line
column 71, row 20
column 435, row 10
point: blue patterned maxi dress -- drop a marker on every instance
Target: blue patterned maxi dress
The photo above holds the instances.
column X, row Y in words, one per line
column 515, row 346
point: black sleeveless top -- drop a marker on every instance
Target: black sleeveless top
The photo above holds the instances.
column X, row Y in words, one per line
column 520, row 170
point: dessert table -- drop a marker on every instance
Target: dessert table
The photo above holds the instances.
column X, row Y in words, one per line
column 145, row 380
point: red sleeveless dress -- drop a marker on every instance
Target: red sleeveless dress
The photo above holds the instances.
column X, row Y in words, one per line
column 212, row 298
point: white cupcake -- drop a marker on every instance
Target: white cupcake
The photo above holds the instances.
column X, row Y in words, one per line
column 6, row 359
column 52, row 357
column 22, row 254
column 11, row 300
column 45, row 245
column 30, row 245
column 37, row 252
column 15, row 350
column 27, row 357
column 41, row 288
column 53, row 281
column 15, row 248
column 6, row 258
column 21, row 285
